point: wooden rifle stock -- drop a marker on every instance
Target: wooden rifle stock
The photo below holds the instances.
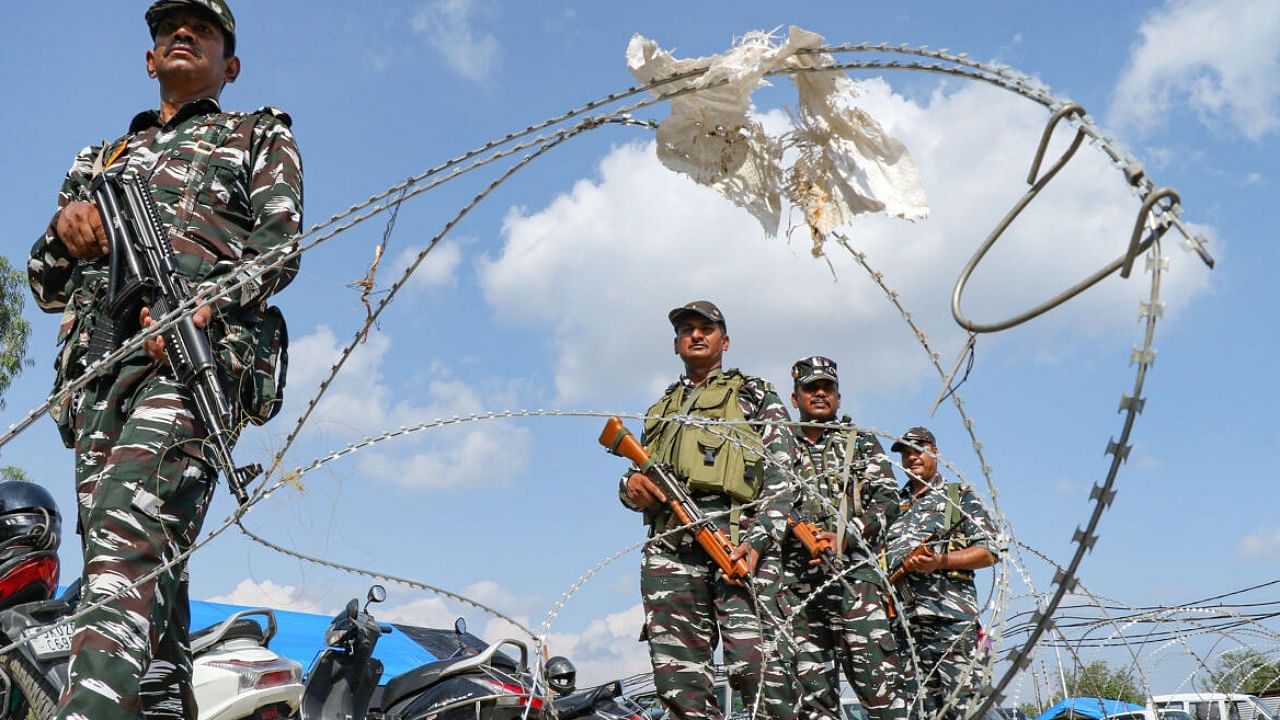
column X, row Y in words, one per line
column 619, row 441
column 900, row 571
column 807, row 533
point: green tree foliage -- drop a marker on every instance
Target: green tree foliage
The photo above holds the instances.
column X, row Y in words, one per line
column 13, row 329
column 1245, row 671
column 10, row 472
column 1100, row 680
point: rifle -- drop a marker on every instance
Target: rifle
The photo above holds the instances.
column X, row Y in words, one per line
column 619, row 440
column 900, row 572
column 822, row 550
column 143, row 272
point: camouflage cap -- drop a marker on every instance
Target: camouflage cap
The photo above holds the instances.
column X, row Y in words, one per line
column 815, row 367
column 917, row 436
column 218, row 8
column 705, row 308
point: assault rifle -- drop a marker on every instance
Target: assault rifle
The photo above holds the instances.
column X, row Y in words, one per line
column 899, row 571
column 143, row 273
column 619, row 440
column 821, row 549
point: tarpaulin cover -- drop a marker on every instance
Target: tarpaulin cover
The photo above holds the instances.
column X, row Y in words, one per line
column 1091, row 708
column 300, row 636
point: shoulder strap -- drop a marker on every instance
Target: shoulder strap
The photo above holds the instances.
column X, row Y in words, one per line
column 209, row 137
column 953, row 508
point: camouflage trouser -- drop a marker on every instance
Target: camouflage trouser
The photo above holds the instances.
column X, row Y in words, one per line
column 849, row 630
column 946, row 649
column 688, row 607
column 142, row 491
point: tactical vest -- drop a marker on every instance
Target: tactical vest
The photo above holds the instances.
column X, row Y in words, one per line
column 831, row 466
column 716, row 458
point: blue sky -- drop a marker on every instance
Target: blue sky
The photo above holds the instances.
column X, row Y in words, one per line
column 553, row 293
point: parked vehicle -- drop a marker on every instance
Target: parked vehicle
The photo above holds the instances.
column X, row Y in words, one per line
column 1215, row 706
column 236, row 676
column 1149, row 714
column 472, row 683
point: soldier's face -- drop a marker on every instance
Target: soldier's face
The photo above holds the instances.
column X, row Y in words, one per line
column 188, row 54
column 700, row 341
column 818, row 401
column 921, row 463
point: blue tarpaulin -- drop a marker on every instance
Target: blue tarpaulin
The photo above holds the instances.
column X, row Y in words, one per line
column 300, row 636
column 1091, row 708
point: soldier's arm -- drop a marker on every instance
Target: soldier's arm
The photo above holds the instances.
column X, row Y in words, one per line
column 760, row 402
column 275, row 200
column 51, row 266
column 879, row 490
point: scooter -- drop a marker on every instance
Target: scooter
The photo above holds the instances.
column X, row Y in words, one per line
column 477, row 682
column 235, row 674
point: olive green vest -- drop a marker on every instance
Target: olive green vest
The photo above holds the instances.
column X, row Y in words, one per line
column 726, row 459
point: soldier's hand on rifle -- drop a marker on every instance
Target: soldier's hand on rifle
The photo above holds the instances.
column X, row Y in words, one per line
column 79, row 227
column 643, row 493
column 744, row 550
column 922, row 560
column 827, row 538
column 155, row 345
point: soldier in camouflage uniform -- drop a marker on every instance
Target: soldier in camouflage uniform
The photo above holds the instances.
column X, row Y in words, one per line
column 850, row 495
column 228, row 187
column 951, row 535
column 688, row 603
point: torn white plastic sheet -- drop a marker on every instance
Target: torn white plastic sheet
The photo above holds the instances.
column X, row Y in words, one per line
column 846, row 164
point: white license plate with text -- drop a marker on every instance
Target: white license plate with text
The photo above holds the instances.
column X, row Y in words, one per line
column 53, row 642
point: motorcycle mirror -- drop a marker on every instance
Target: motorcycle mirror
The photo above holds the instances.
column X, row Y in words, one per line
column 460, row 626
column 377, row 594
column 353, row 608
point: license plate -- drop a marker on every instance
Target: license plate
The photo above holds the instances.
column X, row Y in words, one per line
column 53, row 643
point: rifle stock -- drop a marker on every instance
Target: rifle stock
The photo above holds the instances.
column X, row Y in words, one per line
column 619, row 441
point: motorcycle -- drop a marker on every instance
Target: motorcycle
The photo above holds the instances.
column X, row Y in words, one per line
column 605, row 702
column 235, row 675
column 476, row 681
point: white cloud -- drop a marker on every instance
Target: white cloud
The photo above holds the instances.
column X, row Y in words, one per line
column 432, row 612
column 268, row 594
column 438, row 269
column 363, row 402
column 448, row 25
column 608, row 649
column 600, row 265
column 1259, row 545
column 1220, row 56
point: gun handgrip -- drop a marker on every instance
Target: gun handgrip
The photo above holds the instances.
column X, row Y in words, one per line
column 717, row 546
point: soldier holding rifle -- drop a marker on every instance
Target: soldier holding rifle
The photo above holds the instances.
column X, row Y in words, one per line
column 689, row 599
column 942, row 536
column 224, row 188
column 849, row 496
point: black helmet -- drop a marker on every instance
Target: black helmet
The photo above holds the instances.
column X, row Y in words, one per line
column 562, row 676
column 29, row 519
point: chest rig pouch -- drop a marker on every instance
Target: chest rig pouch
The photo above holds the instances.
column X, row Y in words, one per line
column 713, row 458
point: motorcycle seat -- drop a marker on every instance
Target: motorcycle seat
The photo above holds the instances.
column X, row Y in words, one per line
column 241, row 629
column 416, row 680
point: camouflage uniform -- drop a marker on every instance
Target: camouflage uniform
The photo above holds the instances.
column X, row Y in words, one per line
column 942, row 607
column 142, row 480
column 688, row 605
column 849, row 625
